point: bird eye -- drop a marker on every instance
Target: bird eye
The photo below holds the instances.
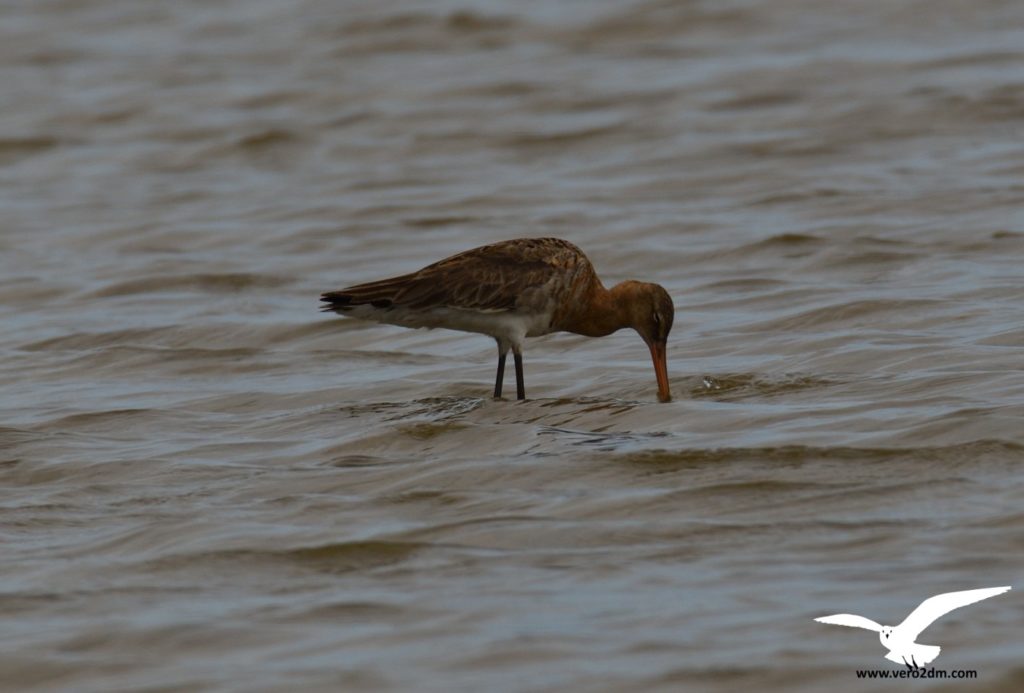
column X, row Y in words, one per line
column 657, row 318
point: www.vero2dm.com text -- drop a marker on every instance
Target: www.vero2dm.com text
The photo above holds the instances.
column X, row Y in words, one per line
column 916, row 674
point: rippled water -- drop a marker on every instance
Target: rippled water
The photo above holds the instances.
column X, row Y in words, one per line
column 209, row 485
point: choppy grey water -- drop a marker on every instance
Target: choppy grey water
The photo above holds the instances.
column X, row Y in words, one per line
column 207, row 485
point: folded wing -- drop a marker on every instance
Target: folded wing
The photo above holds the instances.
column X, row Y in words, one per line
column 497, row 277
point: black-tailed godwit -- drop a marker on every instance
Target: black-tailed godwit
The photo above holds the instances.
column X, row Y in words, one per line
column 515, row 289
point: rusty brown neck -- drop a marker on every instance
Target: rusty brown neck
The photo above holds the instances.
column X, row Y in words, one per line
column 599, row 311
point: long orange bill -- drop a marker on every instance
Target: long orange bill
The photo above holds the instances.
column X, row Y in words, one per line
column 660, row 359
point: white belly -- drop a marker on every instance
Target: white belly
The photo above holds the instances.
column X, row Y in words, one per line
column 507, row 325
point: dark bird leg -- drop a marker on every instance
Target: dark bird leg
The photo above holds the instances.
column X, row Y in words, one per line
column 501, row 375
column 520, row 387
column 500, row 379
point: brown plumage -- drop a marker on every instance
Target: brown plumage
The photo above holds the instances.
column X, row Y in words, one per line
column 515, row 289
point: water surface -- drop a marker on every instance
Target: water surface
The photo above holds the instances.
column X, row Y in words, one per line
column 207, row 485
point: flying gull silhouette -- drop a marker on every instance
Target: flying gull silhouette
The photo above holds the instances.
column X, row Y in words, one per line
column 900, row 640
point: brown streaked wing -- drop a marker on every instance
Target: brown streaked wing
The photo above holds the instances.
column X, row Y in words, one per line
column 490, row 278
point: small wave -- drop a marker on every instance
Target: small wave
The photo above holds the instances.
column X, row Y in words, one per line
column 270, row 142
column 972, row 59
column 268, row 99
column 178, row 360
column 810, row 195
column 1009, row 338
column 786, row 239
column 209, row 339
column 334, row 558
column 469, row 21
column 745, row 284
column 512, row 89
column 14, row 149
column 459, row 20
column 206, row 283
column 430, row 222
column 870, row 259
column 1004, row 235
column 788, row 243
column 436, row 409
column 429, row 430
column 1005, row 102
column 101, row 420
column 414, row 32
column 656, row 23
column 602, row 440
column 266, row 138
column 801, row 454
column 583, row 405
column 756, row 100
column 749, row 385
column 565, row 137
column 11, row 437
column 355, row 460
column 360, row 611
column 867, row 312
column 349, row 556
column 92, row 340
column 784, row 147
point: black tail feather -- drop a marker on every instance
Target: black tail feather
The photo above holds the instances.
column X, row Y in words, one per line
column 342, row 300
column 383, row 294
column 335, row 300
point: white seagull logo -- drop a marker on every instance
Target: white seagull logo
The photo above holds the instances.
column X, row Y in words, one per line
column 900, row 640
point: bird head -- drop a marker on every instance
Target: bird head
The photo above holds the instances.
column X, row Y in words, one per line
column 651, row 313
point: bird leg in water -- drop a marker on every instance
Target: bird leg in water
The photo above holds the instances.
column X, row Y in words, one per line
column 520, row 387
column 501, row 374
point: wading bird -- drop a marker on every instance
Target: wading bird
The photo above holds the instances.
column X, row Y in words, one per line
column 515, row 289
